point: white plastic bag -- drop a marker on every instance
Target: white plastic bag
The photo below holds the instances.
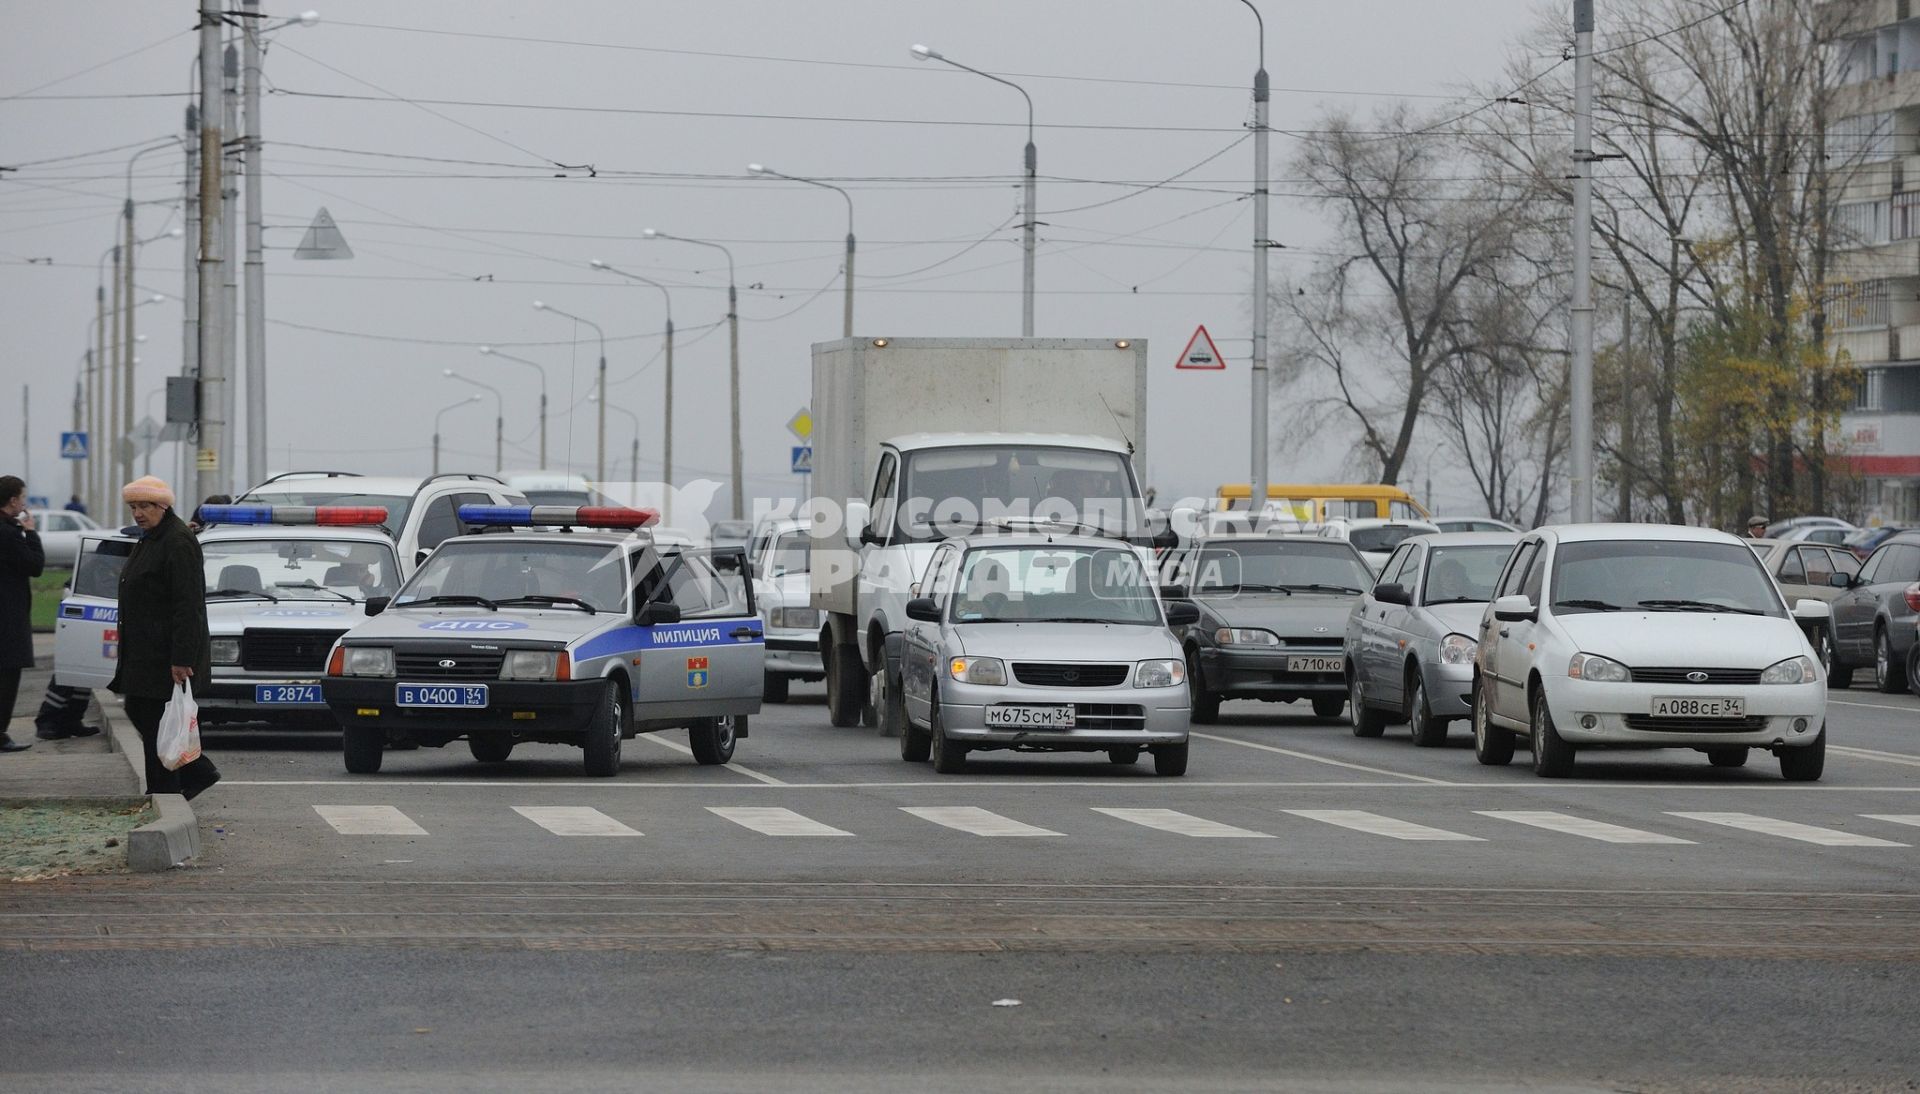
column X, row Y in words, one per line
column 179, row 743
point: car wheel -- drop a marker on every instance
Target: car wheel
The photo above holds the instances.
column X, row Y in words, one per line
column 1552, row 755
column 1839, row 673
column 846, row 686
column 1728, row 756
column 1426, row 730
column 1492, row 745
column 1804, row 764
column 1889, row 675
column 774, row 689
column 1329, row 706
column 1170, row 760
column 712, row 740
column 870, row 706
column 915, row 743
column 1124, row 755
column 1206, row 704
column 362, row 747
column 601, row 747
column 949, row 757
column 1367, row 722
column 490, row 748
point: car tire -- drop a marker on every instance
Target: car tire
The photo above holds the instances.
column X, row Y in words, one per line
column 1124, row 755
column 600, row 747
column 362, row 747
column 846, row 686
column 1552, row 755
column 870, row 705
column 1170, row 760
column 1426, row 730
column 949, row 757
column 1889, row 674
column 1492, row 746
column 1329, row 706
column 1728, row 756
column 490, row 748
column 713, row 739
column 1367, row 722
column 774, row 688
column 915, row 743
column 1805, row 764
column 1206, row 704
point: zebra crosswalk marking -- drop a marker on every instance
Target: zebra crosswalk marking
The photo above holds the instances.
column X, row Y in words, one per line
column 368, row 820
column 572, row 820
column 1579, row 826
column 1806, row 833
column 1895, row 818
column 1362, row 821
column 774, row 821
column 979, row 822
column 1182, row 824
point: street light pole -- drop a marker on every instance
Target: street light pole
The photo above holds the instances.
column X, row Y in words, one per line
column 1031, row 190
column 213, row 378
column 846, row 320
column 1257, row 498
column 1580, row 378
column 634, row 457
column 499, row 417
column 733, row 358
column 189, row 275
column 666, row 446
column 600, row 445
column 230, row 280
column 541, row 369
column 474, row 398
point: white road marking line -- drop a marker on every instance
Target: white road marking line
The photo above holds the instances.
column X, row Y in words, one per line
column 1361, row 821
column 1579, row 826
column 573, row 820
column 774, row 821
column 1806, row 833
column 1316, row 759
column 1871, row 706
column 685, row 751
column 1895, row 818
column 979, row 822
column 368, row 820
column 1181, row 824
column 1181, row 786
column 1875, row 754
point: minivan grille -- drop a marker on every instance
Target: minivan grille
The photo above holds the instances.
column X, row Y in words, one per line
column 286, row 651
column 1109, row 716
column 1058, row 674
column 467, row 665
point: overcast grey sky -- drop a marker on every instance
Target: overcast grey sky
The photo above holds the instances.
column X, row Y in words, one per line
column 669, row 102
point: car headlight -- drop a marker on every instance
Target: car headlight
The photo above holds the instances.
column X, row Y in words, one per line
column 1166, row 673
column 1794, row 670
column 226, row 651
column 368, row 661
column 978, row 670
column 1457, row 649
column 1236, row 636
column 534, row 665
column 796, row 618
column 1600, row 670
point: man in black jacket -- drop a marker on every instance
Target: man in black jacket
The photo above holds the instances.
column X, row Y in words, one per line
column 21, row 560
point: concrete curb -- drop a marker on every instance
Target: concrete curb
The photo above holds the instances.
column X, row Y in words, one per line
column 121, row 736
column 167, row 842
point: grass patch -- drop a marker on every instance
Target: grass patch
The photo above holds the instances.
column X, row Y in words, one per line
column 43, row 839
column 46, row 597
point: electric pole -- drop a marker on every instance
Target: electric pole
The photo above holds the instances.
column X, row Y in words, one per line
column 1580, row 379
column 213, row 378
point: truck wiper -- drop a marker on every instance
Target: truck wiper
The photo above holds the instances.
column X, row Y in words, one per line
column 538, row 598
column 261, row 593
column 1696, row 606
column 314, row 588
column 450, row 598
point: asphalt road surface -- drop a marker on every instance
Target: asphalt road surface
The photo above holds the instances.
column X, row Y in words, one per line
column 1303, row 910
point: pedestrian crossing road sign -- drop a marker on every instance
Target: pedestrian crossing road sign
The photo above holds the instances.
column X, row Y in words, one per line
column 803, row 459
column 73, row 446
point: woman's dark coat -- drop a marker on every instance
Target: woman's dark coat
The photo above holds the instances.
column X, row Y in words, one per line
column 163, row 613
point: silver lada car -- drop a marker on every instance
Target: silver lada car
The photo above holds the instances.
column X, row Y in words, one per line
column 1039, row 643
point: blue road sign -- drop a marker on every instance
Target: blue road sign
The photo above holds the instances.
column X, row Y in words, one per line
column 803, row 459
column 73, row 446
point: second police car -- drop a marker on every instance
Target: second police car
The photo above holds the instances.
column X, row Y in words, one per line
column 584, row 632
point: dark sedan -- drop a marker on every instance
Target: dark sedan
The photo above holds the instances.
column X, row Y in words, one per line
column 1873, row 619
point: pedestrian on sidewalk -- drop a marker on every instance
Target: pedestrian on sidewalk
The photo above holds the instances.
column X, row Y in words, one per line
column 163, row 629
column 75, row 505
column 21, row 560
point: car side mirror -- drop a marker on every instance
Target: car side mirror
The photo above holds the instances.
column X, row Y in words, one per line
column 1183, row 613
column 923, row 609
column 421, row 555
column 1515, row 609
column 1812, row 611
column 656, row 611
column 377, row 604
column 1392, row 593
column 1841, row 581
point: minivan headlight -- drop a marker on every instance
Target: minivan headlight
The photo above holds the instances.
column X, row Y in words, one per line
column 1166, row 673
column 978, row 670
column 805, row 619
column 369, row 661
column 534, row 665
column 1600, row 670
column 1457, row 649
column 1240, row 636
column 1794, row 670
column 225, row 651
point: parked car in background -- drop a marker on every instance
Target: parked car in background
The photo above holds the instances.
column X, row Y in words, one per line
column 1818, row 533
column 1805, row 570
column 779, row 557
column 1863, row 542
column 60, row 532
column 730, row 533
column 1779, row 528
column 1473, row 524
column 1375, row 537
column 1873, row 618
column 1410, row 639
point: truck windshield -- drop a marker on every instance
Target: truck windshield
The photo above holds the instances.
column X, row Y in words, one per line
column 951, row 491
column 1054, row 585
column 501, row 569
column 300, row 569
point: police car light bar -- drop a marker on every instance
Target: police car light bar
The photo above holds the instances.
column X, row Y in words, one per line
column 324, row 515
column 569, row 516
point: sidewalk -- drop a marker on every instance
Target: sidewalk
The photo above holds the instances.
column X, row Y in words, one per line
column 76, row 768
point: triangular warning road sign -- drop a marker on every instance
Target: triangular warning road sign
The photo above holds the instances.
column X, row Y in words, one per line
column 1200, row 352
column 323, row 239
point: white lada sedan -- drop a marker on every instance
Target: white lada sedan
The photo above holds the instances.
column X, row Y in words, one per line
column 1635, row 636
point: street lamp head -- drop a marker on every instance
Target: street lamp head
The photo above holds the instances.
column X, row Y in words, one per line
column 539, row 305
column 308, row 18
column 176, row 233
column 923, row 53
column 486, row 349
column 156, row 298
column 757, row 169
column 596, row 264
column 649, row 233
column 139, row 338
column 446, row 372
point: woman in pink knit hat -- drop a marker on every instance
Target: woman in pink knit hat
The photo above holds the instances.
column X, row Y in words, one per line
column 163, row 629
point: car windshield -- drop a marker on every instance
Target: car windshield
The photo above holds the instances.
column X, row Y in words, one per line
column 1463, row 575
column 1054, row 585
column 499, row 569
column 300, row 569
column 1279, row 565
column 791, row 555
column 1661, row 575
column 1382, row 537
column 956, row 489
column 396, row 505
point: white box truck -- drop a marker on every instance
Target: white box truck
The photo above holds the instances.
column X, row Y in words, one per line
column 917, row 439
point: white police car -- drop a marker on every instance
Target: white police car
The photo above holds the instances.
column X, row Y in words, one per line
column 569, row 637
